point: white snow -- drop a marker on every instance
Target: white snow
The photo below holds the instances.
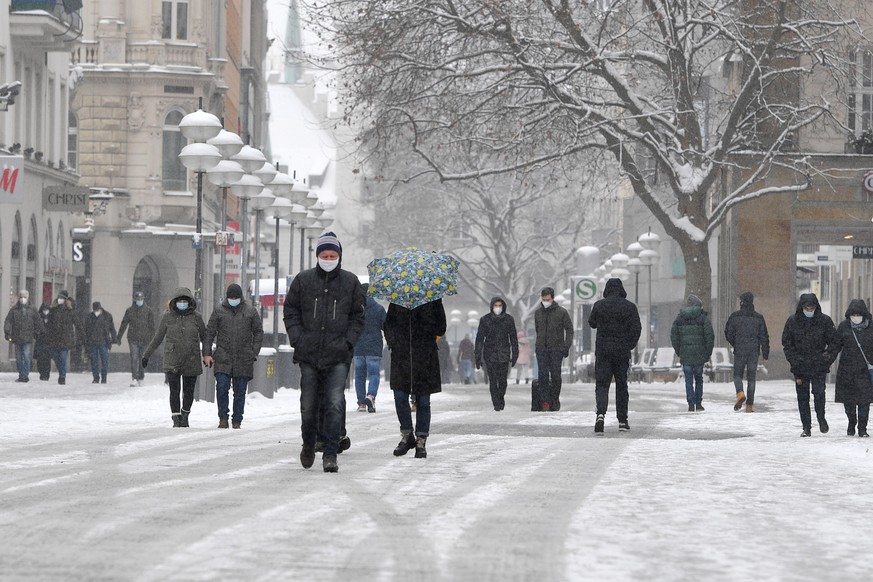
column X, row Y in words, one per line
column 94, row 484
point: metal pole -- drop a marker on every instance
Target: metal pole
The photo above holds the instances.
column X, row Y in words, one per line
column 637, row 303
column 291, row 249
column 276, row 289
column 223, row 269
column 198, row 251
column 257, row 295
column 302, row 245
column 649, row 317
column 244, row 254
column 310, row 252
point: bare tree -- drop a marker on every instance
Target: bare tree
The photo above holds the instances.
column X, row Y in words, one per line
column 671, row 90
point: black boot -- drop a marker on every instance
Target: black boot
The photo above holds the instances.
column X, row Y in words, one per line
column 407, row 442
column 420, row 451
column 184, row 420
column 853, row 420
column 177, row 420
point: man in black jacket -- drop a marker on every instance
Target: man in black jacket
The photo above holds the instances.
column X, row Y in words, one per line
column 746, row 332
column 618, row 326
column 554, row 330
column 22, row 327
column 497, row 348
column 99, row 336
column 324, row 317
column 141, row 321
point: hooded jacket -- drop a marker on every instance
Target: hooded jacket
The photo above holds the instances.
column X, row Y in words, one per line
column 141, row 321
column 64, row 326
column 616, row 320
column 23, row 324
column 692, row 336
column 808, row 342
column 238, row 334
column 183, row 333
column 746, row 330
column 853, row 385
column 42, row 348
column 411, row 335
column 554, row 329
column 370, row 342
column 324, row 316
column 497, row 338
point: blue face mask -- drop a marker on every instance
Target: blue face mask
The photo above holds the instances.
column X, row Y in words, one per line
column 182, row 305
column 808, row 313
column 233, row 302
column 139, row 302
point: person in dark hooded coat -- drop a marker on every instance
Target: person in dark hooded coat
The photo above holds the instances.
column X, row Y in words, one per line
column 808, row 343
column 411, row 335
column 554, row 330
column 746, row 332
column 618, row 326
column 853, row 388
column 42, row 349
column 497, row 348
column 692, row 338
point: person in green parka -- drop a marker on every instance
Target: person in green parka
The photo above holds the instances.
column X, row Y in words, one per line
column 693, row 338
column 184, row 335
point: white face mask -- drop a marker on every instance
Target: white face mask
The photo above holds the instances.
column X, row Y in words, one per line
column 98, row 312
column 22, row 300
column 60, row 301
column 233, row 302
column 139, row 302
column 328, row 265
column 497, row 310
column 546, row 304
column 856, row 319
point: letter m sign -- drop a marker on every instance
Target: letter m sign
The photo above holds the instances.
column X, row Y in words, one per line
column 10, row 168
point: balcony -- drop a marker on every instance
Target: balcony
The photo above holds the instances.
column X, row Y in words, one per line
column 49, row 25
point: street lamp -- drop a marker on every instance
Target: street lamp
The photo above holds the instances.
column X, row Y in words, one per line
column 296, row 216
column 649, row 255
column 281, row 208
column 199, row 157
column 259, row 203
column 249, row 186
column 225, row 173
column 310, row 232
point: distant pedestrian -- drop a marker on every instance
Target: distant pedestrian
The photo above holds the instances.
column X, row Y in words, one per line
column 42, row 349
column 522, row 364
column 184, row 331
column 466, row 359
column 618, row 326
column 64, row 330
column 447, row 368
column 324, row 317
column 497, row 348
column 368, row 355
column 692, row 338
column 236, row 329
column 853, row 388
column 554, row 339
column 100, row 334
column 415, row 369
column 141, row 321
column 808, row 343
column 22, row 327
column 746, row 332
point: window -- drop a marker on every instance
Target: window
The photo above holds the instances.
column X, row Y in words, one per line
column 73, row 142
column 174, row 176
column 861, row 96
column 174, row 18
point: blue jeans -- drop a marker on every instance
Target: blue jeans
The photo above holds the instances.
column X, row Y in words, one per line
column 404, row 413
column 60, row 358
column 22, row 359
column 693, row 383
column 324, row 386
column 99, row 356
column 222, row 389
column 749, row 364
column 467, row 371
column 367, row 369
column 136, row 369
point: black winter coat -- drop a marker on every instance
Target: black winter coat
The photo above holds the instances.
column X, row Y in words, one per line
column 23, row 324
column 554, row 329
column 324, row 316
column 183, row 334
column 42, row 348
column 141, row 321
column 746, row 332
column 64, row 326
column 497, row 338
column 616, row 320
column 237, row 333
column 411, row 335
column 100, row 329
column 808, row 342
column 853, row 385
column 692, row 336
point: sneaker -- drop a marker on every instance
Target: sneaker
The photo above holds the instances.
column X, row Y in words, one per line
column 370, row 402
column 62, row 381
column 362, row 407
column 329, row 464
column 546, row 407
column 805, row 433
column 741, row 399
column 21, row 379
column 700, row 408
column 406, row 443
column 862, row 432
column 598, row 424
column 307, row 456
column 690, row 408
column 750, row 407
column 823, row 425
column 623, row 426
column 134, row 383
column 345, row 444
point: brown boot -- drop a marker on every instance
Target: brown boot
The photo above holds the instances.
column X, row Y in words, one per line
column 750, row 408
column 235, row 425
column 222, row 423
column 741, row 399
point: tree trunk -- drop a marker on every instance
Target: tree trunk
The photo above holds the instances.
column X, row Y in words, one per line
column 698, row 271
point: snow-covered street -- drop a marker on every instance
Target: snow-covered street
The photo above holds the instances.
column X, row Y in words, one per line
column 96, row 485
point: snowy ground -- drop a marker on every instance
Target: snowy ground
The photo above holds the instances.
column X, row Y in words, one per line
column 95, row 485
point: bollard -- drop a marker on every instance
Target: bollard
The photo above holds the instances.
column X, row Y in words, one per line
column 205, row 388
column 286, row 376
column 264, row 380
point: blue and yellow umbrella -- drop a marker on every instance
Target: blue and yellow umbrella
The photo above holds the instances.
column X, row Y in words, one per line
column 413, row 277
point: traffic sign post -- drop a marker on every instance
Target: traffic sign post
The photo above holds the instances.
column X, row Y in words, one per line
column 584, row 290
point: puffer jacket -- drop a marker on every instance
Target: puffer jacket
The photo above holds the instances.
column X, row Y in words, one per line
column 497, row 338
column 183, row 333
column 23, row 324
column 853, row 385
column 237, row 333
column 141, row 321
column 692, row 336
column 808, row 342
column 324, row 316
column 616, row 320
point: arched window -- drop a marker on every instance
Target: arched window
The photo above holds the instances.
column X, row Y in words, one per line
column 174, row 173
column 73, row 142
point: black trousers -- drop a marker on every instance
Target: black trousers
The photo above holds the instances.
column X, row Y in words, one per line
column 606, row 367
column 186, row 385
column 497, row 374
column 803, row 386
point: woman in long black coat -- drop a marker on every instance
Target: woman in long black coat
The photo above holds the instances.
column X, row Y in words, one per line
column 853, row 388
column 411, row 335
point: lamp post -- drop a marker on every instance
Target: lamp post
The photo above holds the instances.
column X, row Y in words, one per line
column 251, row 160
column 225, row 173
column 649, row 255
column 199, row 157
column 281, row 208
column 259, row 204
column 313, row 230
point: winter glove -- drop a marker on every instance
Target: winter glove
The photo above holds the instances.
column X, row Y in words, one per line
column 566, row 353
column 145, row 362
column 512, row 364
column 478, row 364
